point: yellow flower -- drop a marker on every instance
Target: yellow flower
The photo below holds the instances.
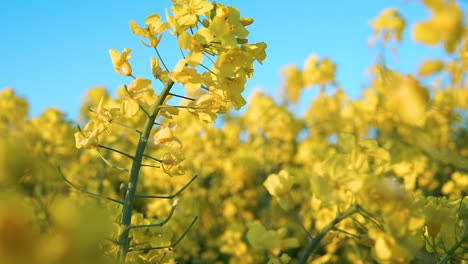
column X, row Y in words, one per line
column 170, row 165
column 197, row 44
column 120, row 61
column 168, row 111
column 274, row 240
column 233, row 88
column 293, row 82
column 208, row 105
column 138, row 94
column 155, row 68
column 278, row 184
column 186, row 11
column 105, row 115
column 258, row 51
column 187, row 76
column 164, row 136
column 409, row 100
column 318, row 72
column 389, row 24
column 234, row 61
column 154, row 27
column 227, row 24
column 430, row 67
column 439, row 212
column 445, row 25
column 88, row 137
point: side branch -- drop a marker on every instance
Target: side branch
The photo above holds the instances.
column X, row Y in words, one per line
column 450, row 253
column 110, row 164
column 115, row 150
column 169, row 196
column 153, row 158
column 171, row 245
column 171, row 213
column 95, row 195
column 315, row 242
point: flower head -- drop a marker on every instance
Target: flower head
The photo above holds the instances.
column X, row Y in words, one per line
column 120, row 61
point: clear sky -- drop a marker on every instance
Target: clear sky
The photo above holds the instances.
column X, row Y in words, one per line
column 54, row 50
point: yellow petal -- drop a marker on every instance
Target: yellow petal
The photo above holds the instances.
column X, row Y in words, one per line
column 138, row 30
column 430, row 67
column 184, row 40
column 129, row 107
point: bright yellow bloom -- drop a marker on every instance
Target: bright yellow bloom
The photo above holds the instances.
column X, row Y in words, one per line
column 389, row 24
column 408, row 99
column 293, row 82
column 170, row 165
column 154, row 27
column 186, row 11
column 105, row 115
column 197, row 44
column 12, row 107
column 430, row 67
column 155, row 68
column 208, row 105
column 187, row 76
column 274, row 240
column 463, row 52
column 88, row 137
column 278, row 184
column 168, row 111
column 445, row 25
column 164, row 136
column 318, row 72
column 233, row 62
column 233, row 88
column 120, row 61
column 227, row 24
column 461, row 98
column 137, row 94
column 258, row 51
column 439, row 213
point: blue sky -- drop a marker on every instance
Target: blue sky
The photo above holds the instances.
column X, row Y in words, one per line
column 54, row 51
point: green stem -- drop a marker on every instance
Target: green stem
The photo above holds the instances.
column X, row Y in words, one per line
column 451, row 252
column 129, row 201
column 316, row 241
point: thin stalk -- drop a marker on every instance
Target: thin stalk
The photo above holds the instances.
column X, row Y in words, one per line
column 153, row 158
column 129, row 201
column 171, row 245
column 208, row 69
column 95, row 195
column 316, row 241
column 169, row 196
column 451, row 251
column 184, row 97
column 185, row 106
column 163, row 222
column 106, row 161
column 162, row 62
column 115, row 150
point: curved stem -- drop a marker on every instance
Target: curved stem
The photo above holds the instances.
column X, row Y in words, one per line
column 451, row 252
column 162, row 61
column 316, row 241
column 115, row 150
column 95, row 195
column 130, row 196
column 168, row 196
column 171, row 245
